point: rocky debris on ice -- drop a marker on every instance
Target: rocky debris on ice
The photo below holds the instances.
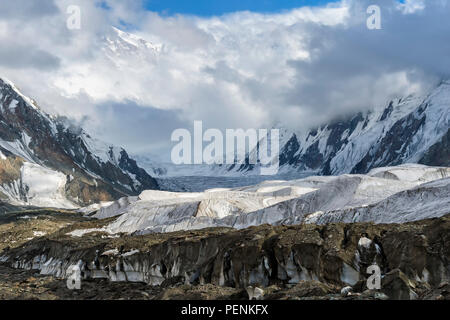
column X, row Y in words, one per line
column 283, row 261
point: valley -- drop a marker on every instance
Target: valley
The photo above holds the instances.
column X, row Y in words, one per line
column 372, row 189
column 309, row 238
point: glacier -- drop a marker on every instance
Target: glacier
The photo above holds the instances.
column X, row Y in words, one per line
column 398, row 194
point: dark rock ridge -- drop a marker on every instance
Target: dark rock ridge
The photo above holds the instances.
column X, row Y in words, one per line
column 413, row 258
column 95, row 171
column 439, row 153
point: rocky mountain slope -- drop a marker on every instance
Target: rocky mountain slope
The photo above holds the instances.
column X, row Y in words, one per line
column 44, row 161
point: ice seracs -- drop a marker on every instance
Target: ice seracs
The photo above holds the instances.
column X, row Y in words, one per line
column 364, row 242
column 385, row 195
column 424, row 201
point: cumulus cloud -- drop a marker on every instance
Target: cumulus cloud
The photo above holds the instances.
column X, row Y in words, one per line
column 298, row 68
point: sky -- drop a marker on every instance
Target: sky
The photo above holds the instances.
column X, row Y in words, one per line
column 215, row 8
column 293, row 64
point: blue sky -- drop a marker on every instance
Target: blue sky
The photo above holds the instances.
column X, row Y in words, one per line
column 218, row 7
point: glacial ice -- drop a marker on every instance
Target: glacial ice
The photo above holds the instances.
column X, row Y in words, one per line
column 393, row 194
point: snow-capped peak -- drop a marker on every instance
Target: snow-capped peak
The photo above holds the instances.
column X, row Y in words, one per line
column 120, row 44
column 413, row 129
column 136, row 40
column 28, row 100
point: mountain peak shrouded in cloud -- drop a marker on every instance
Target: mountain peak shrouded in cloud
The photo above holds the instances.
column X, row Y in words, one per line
column 49, row 161
column 300, row 67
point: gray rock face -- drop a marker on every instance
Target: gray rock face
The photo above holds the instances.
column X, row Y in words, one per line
column 439, row 153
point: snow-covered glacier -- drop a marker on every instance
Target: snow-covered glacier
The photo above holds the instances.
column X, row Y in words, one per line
column 391, row 194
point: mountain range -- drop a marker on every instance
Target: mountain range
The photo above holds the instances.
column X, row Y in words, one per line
column 47, row 161
column 413, row 129
column 408, row 130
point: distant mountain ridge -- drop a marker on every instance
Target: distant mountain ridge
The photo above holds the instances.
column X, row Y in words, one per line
column 413, row 129
column 44, row 161
column 407, row 130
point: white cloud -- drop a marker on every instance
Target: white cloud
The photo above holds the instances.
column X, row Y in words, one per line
column 299, row 67
column 411, row 6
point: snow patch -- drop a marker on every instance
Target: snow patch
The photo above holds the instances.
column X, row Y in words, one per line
column 45, row 187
